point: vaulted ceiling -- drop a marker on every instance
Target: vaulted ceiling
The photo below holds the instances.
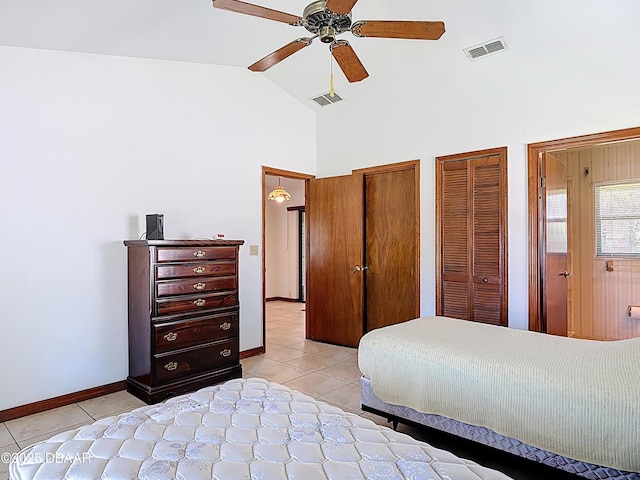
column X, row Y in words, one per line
column 559, row 36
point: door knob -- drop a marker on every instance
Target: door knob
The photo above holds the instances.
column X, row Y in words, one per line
column 355, row 269
column 565, row 274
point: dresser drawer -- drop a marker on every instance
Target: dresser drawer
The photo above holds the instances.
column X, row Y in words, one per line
column 204, row 269
column 195, row 303
column 188, row 333
column 193, row 361
column 195, row 285
column 190, row 254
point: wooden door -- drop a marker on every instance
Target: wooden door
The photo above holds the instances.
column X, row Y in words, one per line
column 471, row 213
column 391, row 248
column 335, row 219
column 554, row 257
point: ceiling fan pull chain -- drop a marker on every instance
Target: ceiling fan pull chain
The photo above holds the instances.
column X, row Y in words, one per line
column 332, row 91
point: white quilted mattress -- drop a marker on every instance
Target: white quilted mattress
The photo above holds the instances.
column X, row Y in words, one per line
column 242, row 429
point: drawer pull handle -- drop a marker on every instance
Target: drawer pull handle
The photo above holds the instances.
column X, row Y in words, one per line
column 225, row 326
column 226, row 352
column 199, row 254
column 171, row 366
column 170, row 337
column 199, row 302
column 199, row 286
column 199, row 270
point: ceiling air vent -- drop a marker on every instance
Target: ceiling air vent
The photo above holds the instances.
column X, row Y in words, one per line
column 487, row 48
column 326, row 99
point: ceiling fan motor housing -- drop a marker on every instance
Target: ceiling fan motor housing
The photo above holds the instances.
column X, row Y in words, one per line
column 326, row 24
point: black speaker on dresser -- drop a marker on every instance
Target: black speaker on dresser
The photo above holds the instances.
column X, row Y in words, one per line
column 154, row 227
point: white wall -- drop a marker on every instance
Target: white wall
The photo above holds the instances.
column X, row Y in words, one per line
column 89, row 144
column 281, row 260
column 468, row 106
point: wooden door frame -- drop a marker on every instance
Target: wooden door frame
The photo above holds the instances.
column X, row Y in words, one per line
column 303, row 238
column 440, row 161
column 535, row 152
column 276, row 172
column 396, row 167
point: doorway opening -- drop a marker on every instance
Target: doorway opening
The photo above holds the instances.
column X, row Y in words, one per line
column 296, row 226
column 284, row 242
column 569, row 274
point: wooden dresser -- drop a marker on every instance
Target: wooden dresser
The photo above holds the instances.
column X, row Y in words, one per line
column 183, row 315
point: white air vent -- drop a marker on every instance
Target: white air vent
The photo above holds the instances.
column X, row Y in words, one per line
column 487, row 48
column 326, row 99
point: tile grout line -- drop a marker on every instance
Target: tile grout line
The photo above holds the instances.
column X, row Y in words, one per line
column 10, row 434
column 80, row 407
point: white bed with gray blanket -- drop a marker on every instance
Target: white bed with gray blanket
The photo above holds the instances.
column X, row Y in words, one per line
column 240, row 430
column 570, row 403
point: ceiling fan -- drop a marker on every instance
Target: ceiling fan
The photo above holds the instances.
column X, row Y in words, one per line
column 326, row 19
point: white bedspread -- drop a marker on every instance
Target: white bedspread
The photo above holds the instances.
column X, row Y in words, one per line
column 240, row 430
column 578, row 398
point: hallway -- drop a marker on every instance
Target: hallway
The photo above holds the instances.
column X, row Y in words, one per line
column 327, row 372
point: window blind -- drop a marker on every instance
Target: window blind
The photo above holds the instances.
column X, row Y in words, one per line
column 618, row 220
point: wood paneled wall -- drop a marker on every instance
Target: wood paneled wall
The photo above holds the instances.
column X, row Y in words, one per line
column 598, row 299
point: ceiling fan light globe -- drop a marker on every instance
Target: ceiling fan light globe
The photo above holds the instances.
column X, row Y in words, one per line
column 327, row 34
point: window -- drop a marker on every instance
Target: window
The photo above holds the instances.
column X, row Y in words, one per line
column 618, row 220
column 557, row 221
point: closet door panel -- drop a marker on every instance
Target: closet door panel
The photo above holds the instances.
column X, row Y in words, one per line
column 455, row 300
column 486, row 303
column 363, row 257
column 486, row 223
column 391, row 295
column 487, row 240
column 455, row 252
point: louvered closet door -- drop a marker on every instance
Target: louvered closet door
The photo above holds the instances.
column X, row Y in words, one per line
column 455, row 252
column 486, row 264
column 471, row 217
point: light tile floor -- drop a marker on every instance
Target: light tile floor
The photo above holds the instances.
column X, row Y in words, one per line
column 22, row 432
column 327, row 372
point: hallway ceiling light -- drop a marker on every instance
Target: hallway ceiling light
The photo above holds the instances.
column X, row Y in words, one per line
column 279, row 194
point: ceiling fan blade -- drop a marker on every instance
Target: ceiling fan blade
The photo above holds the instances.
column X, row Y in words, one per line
column 341, row 7
column 398, row 29
column 279, row 55
column 348, row 61
column 257, row 11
